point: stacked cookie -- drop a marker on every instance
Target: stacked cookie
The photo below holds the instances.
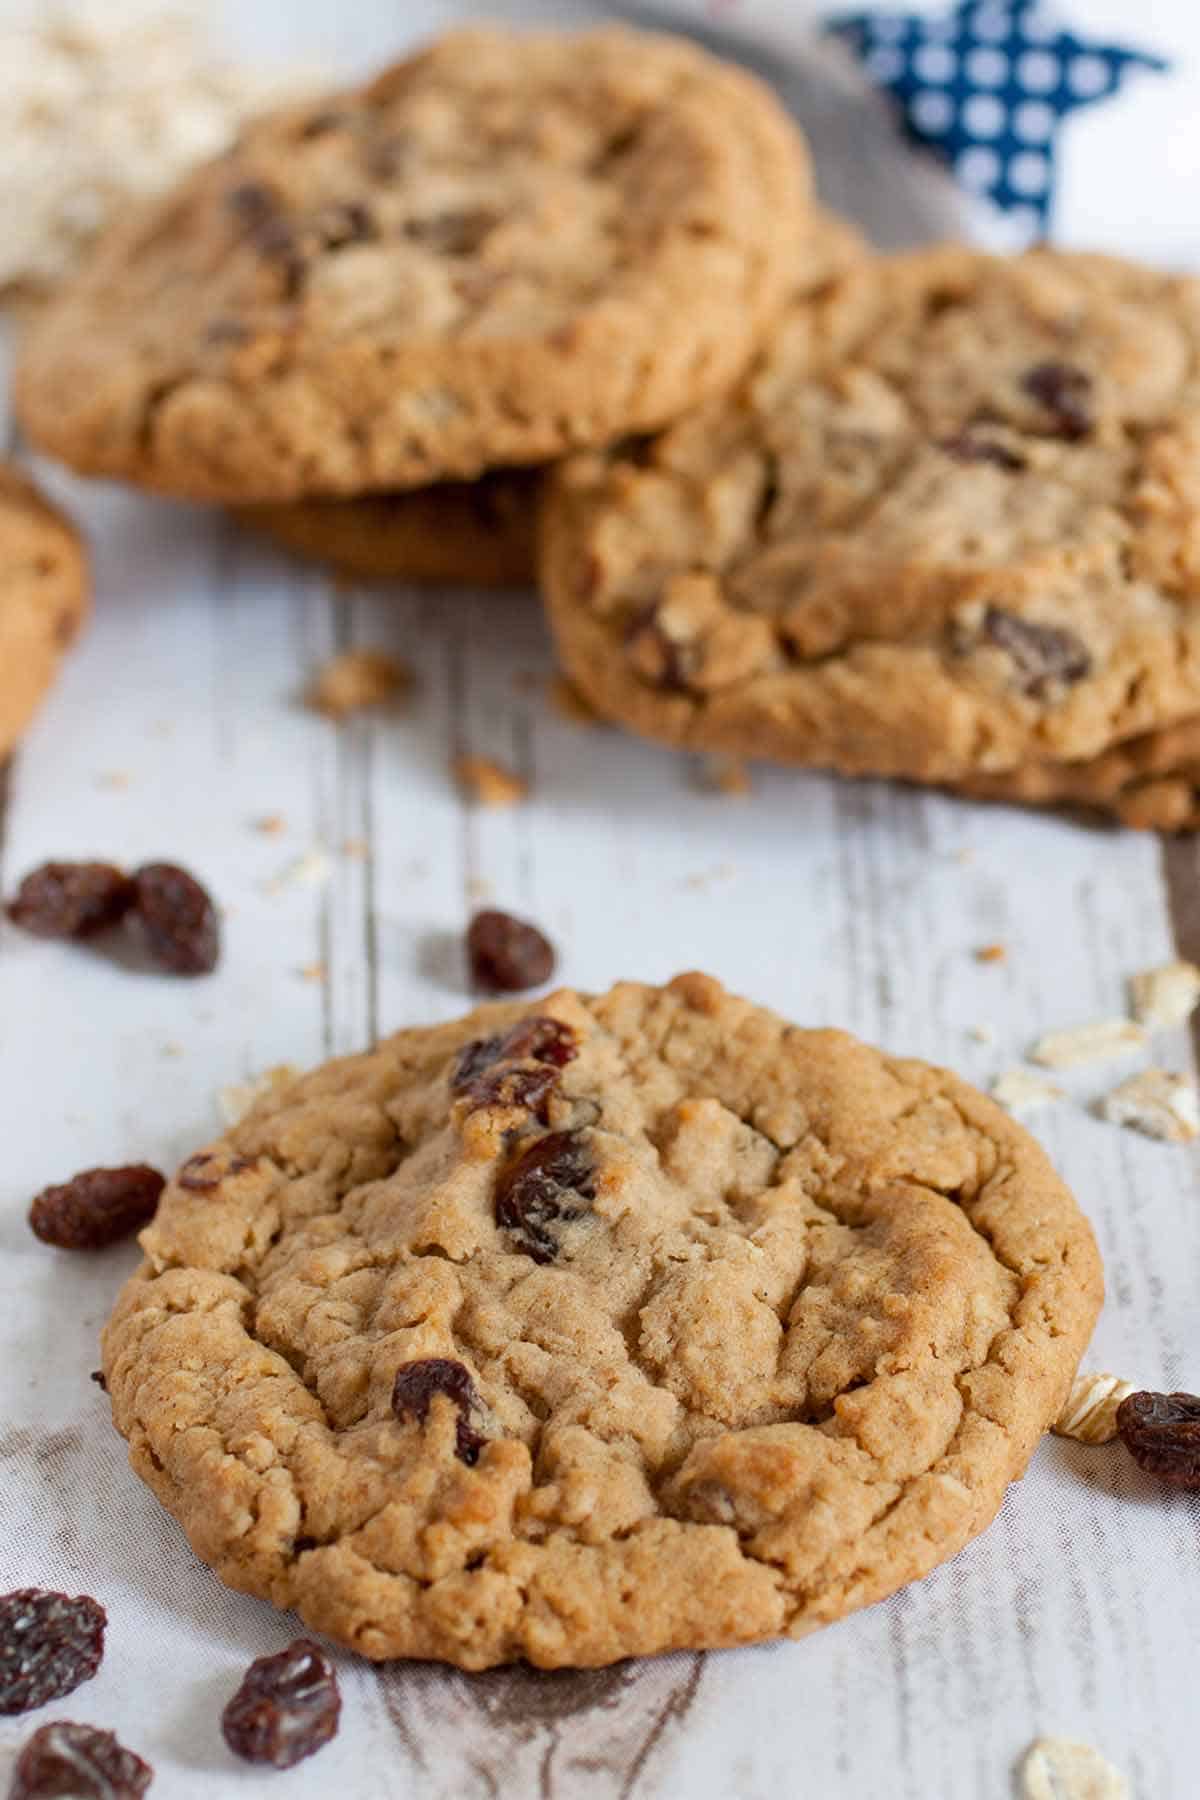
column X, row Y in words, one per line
column 928, row 516
column 43, row 598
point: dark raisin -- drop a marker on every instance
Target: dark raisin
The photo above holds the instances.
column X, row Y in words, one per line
column 968, row 447
column 451, row 233
column 507, row 955
column 659, row 658
column 71, row 900
column 64, row 1761
column 96, row 1208
column 417, row 1382
column 1042, row 655
column 1162, row 1434
column 322, row 123
column 538, row 1038
column 177, row 918
column 1066, row 394
column 344, row 222
column 49, row 1644
column 286, row 1708
column 505, row 1085
column 200, row 1173
column 549, row 1186
column 100, row 1379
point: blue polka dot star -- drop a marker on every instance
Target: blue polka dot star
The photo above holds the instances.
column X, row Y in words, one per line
column 988, row 86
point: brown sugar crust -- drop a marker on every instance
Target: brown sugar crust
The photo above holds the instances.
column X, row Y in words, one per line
column 43, row 598
column 468, row 533
column 506, row 246
column 599, row 1327
column 947, row 527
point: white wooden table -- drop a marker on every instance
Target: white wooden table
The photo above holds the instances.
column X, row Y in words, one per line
column 175, row 730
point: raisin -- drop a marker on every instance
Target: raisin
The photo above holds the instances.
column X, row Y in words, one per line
column 71, row 900
column 1162, row 1434
column 64, row 1761
column 549, row 1186
column 96, row 1208
column 286, row 1708
column 452, row 233
column 100, row 1379
column 343, row 222
column 177, row 918
column 529, row 1089
column 1066, row 394
column 538, row 1038
column 49, row 1644
column 417, row 1382
column 252, row 203
column 967, row 447
column 1042, row 654
column 507, row 955
column 201, row 1173
column 322, row 123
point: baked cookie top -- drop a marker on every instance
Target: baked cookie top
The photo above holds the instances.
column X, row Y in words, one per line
column 507, row 245
column 949, row 524
column 43, row 597
column 474, row 533
column 598, row 1328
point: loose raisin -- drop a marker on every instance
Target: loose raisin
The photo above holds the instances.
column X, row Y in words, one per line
column 1042, row 655
column 538, row 1038
column 71, row 899
column 547, row 1187
column 97, row 1208
column 177, row 918
column 507, row 955
column 1066, row 394
column 1162, row 1434
column 64, row 1761
column 286, row 1708
column 417, row 1382
column 968, row 446
column 49, row 1644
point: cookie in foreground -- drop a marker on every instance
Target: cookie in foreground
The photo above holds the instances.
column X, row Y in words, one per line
column 44, row 591
column 507, row 245
column 944, row 529
column 599, row 1327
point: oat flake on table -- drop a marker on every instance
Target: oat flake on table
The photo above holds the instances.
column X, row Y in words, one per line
column 1060, row 1769
column 101, row 102
column 1165, row 996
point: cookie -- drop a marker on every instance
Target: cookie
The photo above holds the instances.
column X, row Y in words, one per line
column 471, row 533
column 506, row 246
column 43, row 598
column 948, row 526
column 599, row 1327
column 1151, row 783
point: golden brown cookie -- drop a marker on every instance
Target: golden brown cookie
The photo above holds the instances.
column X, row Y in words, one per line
column 599, row 1327
column 506, row 246
column 1151, row 783
column 43, row 598
column 947, row 527
column 470, row 533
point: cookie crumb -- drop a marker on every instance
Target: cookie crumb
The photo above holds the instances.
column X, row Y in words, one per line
column 114, row 780
column 725, row 775
column 1090, row 1414
column 355, row 681
column 272, row 825
column 356, row 849
column 1157, row 1104
column 313, row 869
column 237, row 1098
column 1061, row 1769
column 982, row 1034
column 1019, row 1092
column 488, row 783
column 1098, row 1042
column 991, row 953
column 313, row 971
column 1165, row 996
column 171, row 1050
column 569, row 703
column 479, row 889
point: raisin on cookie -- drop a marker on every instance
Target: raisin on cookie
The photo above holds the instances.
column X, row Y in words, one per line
column 508, row 245
column 948, row 526
column 43, row 598
column 599, row 1327
column 463, row 533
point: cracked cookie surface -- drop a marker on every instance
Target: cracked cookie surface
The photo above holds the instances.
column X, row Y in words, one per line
column 43, row 598
column 946, row 527
column 470, row 533
column 508, row 245
column 597, row 1328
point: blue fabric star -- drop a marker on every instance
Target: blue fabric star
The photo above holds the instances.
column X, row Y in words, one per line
column 988, row 87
